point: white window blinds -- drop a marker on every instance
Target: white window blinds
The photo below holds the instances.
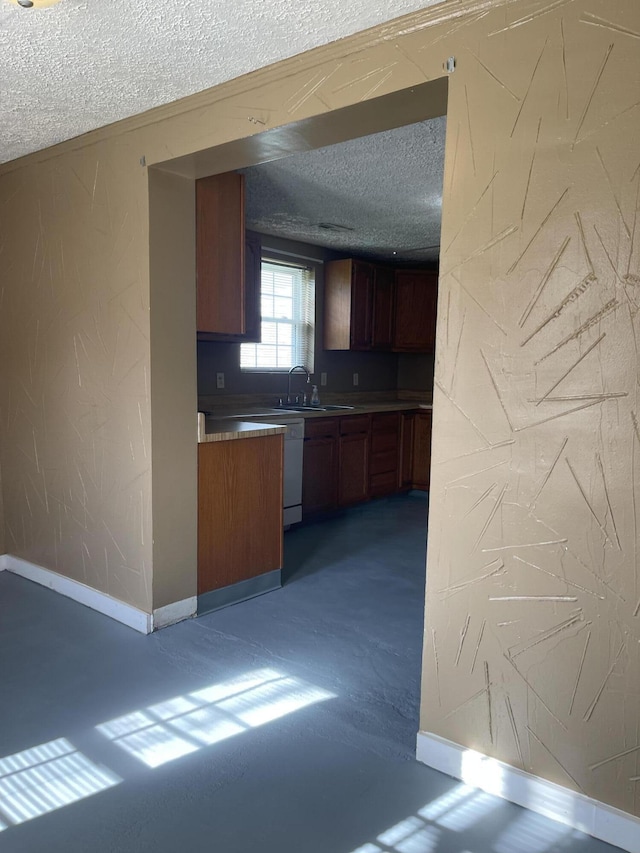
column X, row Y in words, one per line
column 288, row 314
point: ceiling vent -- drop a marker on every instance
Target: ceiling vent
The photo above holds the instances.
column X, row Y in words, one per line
column 333, row 226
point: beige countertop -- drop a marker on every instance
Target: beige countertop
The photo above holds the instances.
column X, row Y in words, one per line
column 364, row 408
column 241, row 419
column 227, row 429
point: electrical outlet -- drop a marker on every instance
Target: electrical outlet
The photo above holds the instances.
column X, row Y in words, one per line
column 219, row 380
column 355, row 378
column 323, row 378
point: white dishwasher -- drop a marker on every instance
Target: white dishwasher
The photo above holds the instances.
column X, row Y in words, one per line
column 293, row 444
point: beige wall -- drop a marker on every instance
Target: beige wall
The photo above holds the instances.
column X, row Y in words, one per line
column 532, row 636
column 174, row 396
column 539, row 230
column 74, row 382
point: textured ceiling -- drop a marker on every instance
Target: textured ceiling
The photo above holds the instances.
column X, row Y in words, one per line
column 81, row 64
column 378, row 196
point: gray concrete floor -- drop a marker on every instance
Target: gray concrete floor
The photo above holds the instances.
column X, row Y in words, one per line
column 286, row 723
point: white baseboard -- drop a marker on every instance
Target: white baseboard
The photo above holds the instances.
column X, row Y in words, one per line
column 3, row 562
column 100, row 601
column 554, row 801
column 176, row 612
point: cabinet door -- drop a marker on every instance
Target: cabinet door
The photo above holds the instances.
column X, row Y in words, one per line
column 220, row 254
column 361, row 305
column 406, row 451
column 384, row 455
column 422, row 450
column 353, row 479
column 319, row 475
column 416, row 295
column 382, row 308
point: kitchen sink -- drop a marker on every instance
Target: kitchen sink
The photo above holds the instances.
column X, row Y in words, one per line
column 287, row 408
column 333, row 408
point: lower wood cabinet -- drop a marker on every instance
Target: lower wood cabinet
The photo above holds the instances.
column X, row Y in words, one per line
column 350, row 459
column 353, row 457
column 421, row 450
column 239, row 510
column 405, row 480
column 320, row 466
column 384, row 454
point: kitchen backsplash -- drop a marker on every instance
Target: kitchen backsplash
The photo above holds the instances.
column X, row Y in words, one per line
column 377, row 371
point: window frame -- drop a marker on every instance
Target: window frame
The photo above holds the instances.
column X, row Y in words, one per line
column 306, row 316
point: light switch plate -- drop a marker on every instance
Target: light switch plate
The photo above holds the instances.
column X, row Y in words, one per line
column 219, row 380
column 355, row 378
column 323, row 378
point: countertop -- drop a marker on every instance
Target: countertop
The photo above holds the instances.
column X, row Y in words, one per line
column 227, row 429
column 240, row 419
column 249, row 412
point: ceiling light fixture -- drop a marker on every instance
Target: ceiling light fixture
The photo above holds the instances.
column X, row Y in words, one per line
column 26, row 4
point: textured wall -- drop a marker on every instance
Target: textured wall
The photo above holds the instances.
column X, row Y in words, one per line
column 533, row 609
column 532, row 629
column 74, row 382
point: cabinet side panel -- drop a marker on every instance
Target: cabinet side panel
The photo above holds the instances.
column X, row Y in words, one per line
column 239, row 510
column 220, row 254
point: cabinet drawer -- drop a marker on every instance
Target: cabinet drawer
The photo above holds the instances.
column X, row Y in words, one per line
column 387, row 422
column 354, row 423
column 383, row 462
column 321, row 428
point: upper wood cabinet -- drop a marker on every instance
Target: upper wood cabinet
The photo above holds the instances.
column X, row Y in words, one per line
column 373, row 307
column 382, row 308
column 227, row 262
column 416, row 294
column 348, row 305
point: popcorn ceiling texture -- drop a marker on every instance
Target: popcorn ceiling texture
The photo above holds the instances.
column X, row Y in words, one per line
column 532, row 642
column 81, row 64
column 386, row 188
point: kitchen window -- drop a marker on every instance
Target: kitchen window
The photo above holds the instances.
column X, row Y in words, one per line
column 287, row 301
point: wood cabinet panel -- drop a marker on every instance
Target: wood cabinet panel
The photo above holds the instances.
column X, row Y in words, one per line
column 416, row 293
column 239, row 510
column 353, row 473
column 382, row 308
column 220, row 254
column 361, row 305
column 319, row 475
column 422, row 450
column 354, row 423
column 384, row 454
column 321, row 427
column 348, row 306
column 406, row 450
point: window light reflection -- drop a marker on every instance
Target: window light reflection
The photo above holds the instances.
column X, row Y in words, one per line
column 45, row 778
column 455, row 812
column 184, row 724
column 531, row 833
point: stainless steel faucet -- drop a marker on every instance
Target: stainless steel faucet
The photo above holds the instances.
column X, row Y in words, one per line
column 291, row 372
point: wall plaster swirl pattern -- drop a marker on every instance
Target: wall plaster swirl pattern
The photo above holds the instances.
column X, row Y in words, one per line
column 533, row 621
